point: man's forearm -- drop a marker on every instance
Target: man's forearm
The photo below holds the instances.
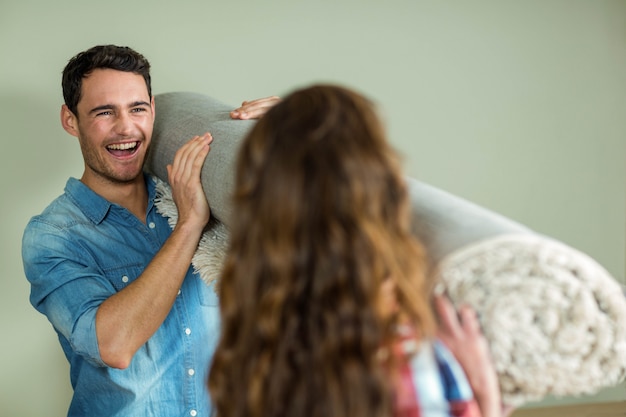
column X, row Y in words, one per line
column 127, row 319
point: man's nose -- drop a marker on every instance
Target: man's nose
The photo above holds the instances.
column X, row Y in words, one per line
column 123, row 124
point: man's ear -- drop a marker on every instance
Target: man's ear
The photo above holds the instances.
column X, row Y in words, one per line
column 69, row 121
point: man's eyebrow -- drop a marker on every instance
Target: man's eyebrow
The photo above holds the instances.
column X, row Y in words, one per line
column 111, row 106
column 139, row 103
column 102, row 107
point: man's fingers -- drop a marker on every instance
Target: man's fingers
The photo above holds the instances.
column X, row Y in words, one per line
column 189, row 158
column 254, row 109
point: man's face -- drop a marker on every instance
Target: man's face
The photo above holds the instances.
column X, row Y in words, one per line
column 114, row 125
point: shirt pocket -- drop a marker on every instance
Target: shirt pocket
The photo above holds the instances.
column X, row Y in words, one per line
column 206, row 293
column 121, row 276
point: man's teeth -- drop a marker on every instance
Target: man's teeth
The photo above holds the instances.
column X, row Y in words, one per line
column 122, row 146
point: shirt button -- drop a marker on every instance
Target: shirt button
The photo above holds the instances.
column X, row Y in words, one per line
column 179, row 291
column 191, row 372
column 193, row 413
column 151, row 225
column 187, row 331
column 124, row 279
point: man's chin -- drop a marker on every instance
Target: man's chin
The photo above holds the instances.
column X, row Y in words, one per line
column 129, row 179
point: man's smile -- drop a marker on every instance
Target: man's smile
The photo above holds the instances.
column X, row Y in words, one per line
column 123, row 149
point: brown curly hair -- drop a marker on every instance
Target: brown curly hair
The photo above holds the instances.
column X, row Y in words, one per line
column 321, row 220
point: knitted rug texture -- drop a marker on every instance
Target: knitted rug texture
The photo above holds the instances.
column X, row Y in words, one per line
column 555, row 320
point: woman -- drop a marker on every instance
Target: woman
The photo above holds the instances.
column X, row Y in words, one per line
column 323, row 296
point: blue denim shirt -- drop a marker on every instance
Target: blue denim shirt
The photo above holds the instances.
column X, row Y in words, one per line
column 81, row 250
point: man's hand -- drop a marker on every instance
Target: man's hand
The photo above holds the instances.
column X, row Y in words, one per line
column 254, row 109
column 184, row 178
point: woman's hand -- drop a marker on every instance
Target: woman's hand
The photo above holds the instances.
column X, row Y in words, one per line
column 461, row 333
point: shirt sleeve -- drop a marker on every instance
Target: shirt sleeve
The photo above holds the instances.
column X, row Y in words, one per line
column 66, row 285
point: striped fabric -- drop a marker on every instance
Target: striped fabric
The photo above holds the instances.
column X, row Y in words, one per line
column 431, row 383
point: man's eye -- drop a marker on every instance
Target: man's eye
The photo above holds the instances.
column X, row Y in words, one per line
column 104, row 113
column 138, row 110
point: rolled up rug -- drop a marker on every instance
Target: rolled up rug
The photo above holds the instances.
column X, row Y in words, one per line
column 555, row 319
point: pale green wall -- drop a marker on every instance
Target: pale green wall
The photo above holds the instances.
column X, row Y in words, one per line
column 518, row 106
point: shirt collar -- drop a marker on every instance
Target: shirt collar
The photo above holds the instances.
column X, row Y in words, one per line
column 94, row 206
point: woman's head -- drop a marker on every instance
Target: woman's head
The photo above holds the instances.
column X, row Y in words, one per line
column 322, row 221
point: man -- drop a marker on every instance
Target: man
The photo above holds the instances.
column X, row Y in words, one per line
column 137, row 326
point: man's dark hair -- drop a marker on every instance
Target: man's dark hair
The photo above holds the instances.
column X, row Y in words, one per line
column 119, row 58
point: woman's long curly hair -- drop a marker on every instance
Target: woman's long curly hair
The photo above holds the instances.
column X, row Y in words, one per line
column 321, row 220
